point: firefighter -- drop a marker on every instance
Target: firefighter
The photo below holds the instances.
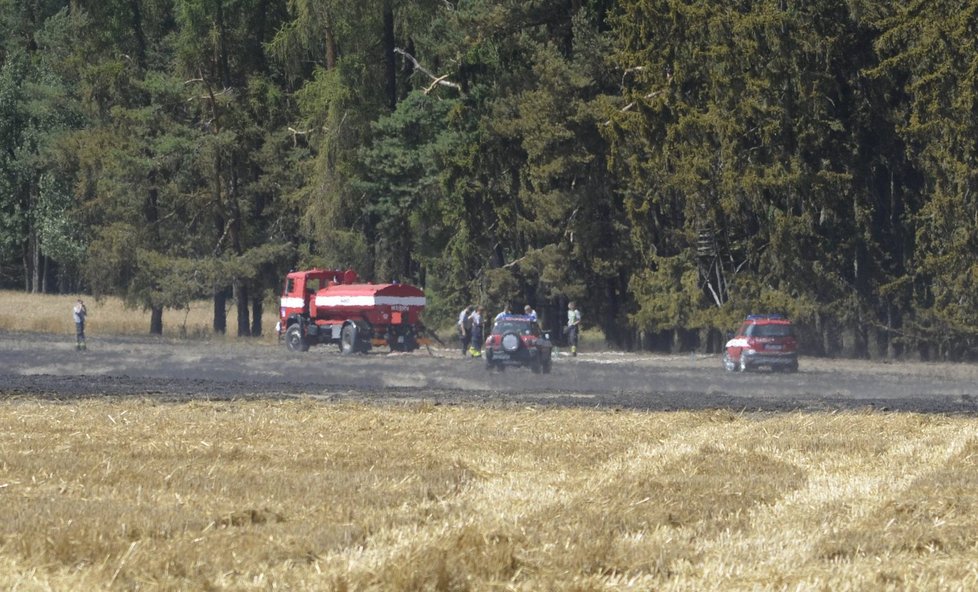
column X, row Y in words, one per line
column 78, row 314
column 573, row 326
column 475, row 349
column 464, row 326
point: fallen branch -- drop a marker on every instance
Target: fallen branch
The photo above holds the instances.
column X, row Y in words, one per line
column 295, row 133
column 650, row 95
column 629, row 106
column 436, row 80
column 514, row 262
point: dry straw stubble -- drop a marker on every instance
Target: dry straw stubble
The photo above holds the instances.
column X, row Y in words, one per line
column 304, row 495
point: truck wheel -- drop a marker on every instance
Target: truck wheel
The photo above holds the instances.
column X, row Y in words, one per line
column 294, row 340
column 348, row 340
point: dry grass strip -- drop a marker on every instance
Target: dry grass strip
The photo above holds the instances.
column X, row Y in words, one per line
column 51, row 313
column 309, row 496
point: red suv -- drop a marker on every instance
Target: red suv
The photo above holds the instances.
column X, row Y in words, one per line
column 516, row 340
column 762, row 340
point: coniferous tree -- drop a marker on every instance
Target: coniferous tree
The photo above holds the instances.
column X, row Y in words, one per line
column 38, row 109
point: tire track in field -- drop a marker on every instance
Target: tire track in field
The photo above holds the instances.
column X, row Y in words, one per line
column 778, row 538
column 784, row 537
column 515, row 509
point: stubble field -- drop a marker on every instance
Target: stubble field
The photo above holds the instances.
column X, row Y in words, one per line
column 337, row 490
column 310, row 496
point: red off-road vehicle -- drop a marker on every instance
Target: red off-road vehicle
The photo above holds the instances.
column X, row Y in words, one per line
column 762, row 340
column 516, row 340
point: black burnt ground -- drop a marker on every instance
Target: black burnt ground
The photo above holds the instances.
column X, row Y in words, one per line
column 47, row 366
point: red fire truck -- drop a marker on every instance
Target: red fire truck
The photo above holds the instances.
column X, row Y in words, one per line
column 333, row 306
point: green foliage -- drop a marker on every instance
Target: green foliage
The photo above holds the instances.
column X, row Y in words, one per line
column 38, row 109
column 670, row 164
column 930, row 46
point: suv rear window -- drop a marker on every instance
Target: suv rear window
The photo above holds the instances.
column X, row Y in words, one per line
column 772, row 330
column 520, row 328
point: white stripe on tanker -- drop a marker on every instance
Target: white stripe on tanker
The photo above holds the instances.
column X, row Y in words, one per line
column 370, row 300
column 296, row 302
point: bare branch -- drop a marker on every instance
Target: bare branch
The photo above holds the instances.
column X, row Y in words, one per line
column 648, row 96
column 629, row 71
column 629, row 106
column 296, row 133
column 212, row 96
column 436, row 80
column 515, row 262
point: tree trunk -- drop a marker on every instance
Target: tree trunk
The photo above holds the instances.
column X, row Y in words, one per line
column 26, row 261
column 45, row 269
column 137, row 28
column 257, row 308
column 390, row 66
column 220, row 305
column 330, row 40
column 222, row 36
column 156, row 321
column 35, row 263
column 241, row 303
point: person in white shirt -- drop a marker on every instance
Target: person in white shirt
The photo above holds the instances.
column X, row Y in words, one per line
column 78, row 314
column 464, row 326
column 528, row 311
column 573, row 326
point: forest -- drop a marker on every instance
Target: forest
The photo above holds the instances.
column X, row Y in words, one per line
column 671, row 165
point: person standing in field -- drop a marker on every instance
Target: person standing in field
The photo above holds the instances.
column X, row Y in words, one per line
column 78, row 313
column 573, row 326
column 464, row 327
column 528, row 311
column 506, row 311
column 475, row 349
